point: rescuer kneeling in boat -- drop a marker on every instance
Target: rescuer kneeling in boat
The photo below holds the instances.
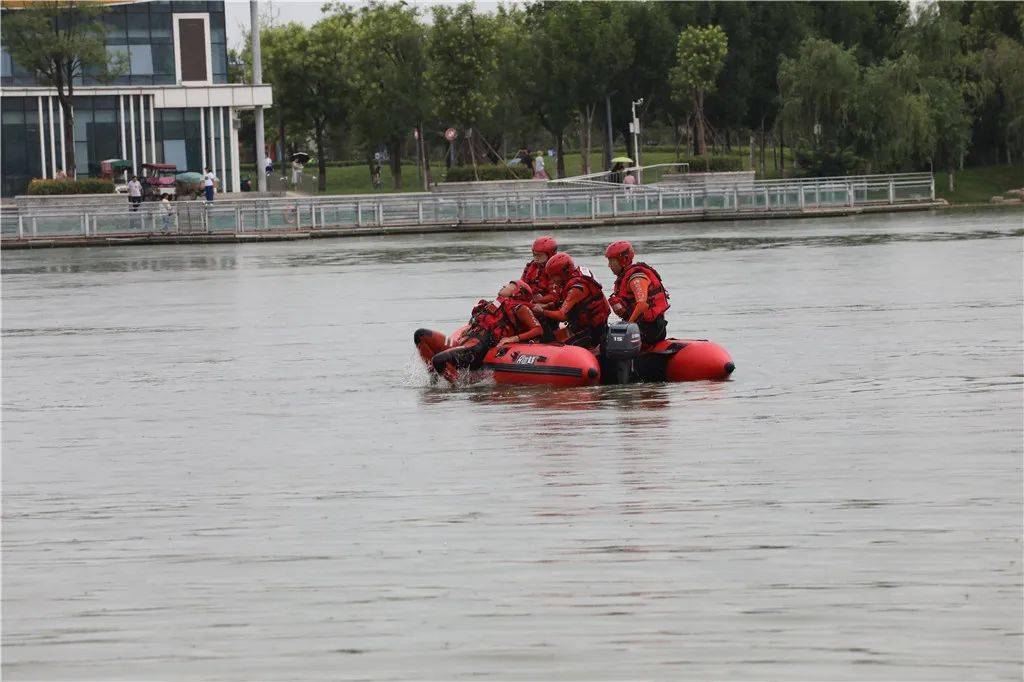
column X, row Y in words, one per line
column 505, row 320
column 639, row 295
column 581, row 305
column 544, row 291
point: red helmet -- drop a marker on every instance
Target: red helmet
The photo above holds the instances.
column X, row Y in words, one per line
column 560, row 265
column 622, row 251
column 546, row 245
column 523, row 289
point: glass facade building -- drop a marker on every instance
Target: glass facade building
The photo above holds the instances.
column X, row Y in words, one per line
column 171, row 103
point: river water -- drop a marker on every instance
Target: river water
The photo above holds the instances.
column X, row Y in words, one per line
column 224, row 462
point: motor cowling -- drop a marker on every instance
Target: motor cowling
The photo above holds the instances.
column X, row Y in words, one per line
column 623, row 341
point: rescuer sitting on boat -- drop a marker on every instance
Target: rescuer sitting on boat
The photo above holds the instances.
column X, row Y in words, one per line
column 639, row 295
column 533, row 273
column 544, row 292
column 581, row 305
column 507, row 319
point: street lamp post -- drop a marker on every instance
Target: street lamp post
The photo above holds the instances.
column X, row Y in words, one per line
column 635, row 125
column 257, row 79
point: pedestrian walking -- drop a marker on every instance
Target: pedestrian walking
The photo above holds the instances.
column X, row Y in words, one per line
column 209, row 183
column 165, row 212
column 134, row 193
column 538, row 168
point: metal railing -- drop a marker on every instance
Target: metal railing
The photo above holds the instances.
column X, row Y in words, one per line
column 568, row 204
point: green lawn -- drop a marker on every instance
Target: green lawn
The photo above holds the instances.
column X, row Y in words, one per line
column 978, row 185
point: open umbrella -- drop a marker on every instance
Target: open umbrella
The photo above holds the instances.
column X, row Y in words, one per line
column 622, row 159
column 301, row 157
column 189, row 178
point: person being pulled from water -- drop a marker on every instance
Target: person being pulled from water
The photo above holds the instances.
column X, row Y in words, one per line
column 639, row 295
column 507, row 319
column 581, row 303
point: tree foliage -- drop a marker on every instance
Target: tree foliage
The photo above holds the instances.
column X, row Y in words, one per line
column 700, row 57
column 60, row 42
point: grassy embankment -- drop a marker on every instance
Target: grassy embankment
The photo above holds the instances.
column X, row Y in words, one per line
column 978, row 185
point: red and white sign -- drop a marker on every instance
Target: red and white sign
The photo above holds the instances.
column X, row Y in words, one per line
column 449, row 134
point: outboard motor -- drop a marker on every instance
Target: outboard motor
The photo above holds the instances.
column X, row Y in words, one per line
column 621, row 348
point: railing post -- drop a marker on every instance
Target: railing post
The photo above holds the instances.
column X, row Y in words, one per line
column 95, row 227
column 359, row 214
column 849, row 193
column 238, row 219
column 35, row 231
column 533, row 209
column 83, row 222
column 800, row 187
column 21, row 226
column 817, row 194
column 380, row 214
column 661, row 203
column 892, row 191
column 615, row 205
column 933, row 187
column 767, row 200
column 593, row 206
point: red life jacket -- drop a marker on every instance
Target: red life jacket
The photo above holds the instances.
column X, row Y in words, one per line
column 491, row 321
column 534, row 275
column 657, row 297
column 592, row 311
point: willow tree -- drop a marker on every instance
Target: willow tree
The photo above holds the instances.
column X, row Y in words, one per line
column 700, row 57
column 59, row 42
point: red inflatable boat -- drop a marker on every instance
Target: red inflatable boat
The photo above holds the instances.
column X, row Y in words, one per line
column 557, row 365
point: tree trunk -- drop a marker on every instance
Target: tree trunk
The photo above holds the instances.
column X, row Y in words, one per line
column 698, row 103
column 282, row 146
column 728, row 141
column 560, row 159
column 752, row 166
column 951, row 170
column 321, row 163
column 782, row 151
column 396, row 162
column 775, row 153
column 67, row 103
column 762, row 146
column 676, row 136
column 472, row 151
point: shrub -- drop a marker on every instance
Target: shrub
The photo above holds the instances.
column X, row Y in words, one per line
column 828, row 162
column 69, row 186
column 713, row 164
column 465, row 173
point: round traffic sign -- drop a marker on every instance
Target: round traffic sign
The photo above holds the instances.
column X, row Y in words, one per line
column 449, row 134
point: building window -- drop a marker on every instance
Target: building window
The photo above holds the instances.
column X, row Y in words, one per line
column 192, row 48
column 141, row 60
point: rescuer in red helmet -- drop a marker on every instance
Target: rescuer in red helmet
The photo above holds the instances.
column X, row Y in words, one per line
column 533, row 273
column 639, row 295
column 581, row 305
column 507, row 319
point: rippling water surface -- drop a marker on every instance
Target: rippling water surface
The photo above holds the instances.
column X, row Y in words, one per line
column 223, row 462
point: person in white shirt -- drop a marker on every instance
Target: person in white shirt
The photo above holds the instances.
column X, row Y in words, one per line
column 134, row 193
column 538, row 168
column 209, row 182
column 268, row 165
column 165, row 207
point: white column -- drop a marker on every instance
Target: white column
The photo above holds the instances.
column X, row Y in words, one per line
column 202, row 138
column 142, row 128
column 152, row 130
column 213, row 144
column 53, row 146
column 63, row 153
column 131, row 119
column 236, row 179
column 223, row 165
column 257, row 79
column 42, row 138
column 124, row 138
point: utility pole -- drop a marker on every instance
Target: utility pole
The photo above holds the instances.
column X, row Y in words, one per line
column 635, row 127
column 257, row 79
column 609, row 152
